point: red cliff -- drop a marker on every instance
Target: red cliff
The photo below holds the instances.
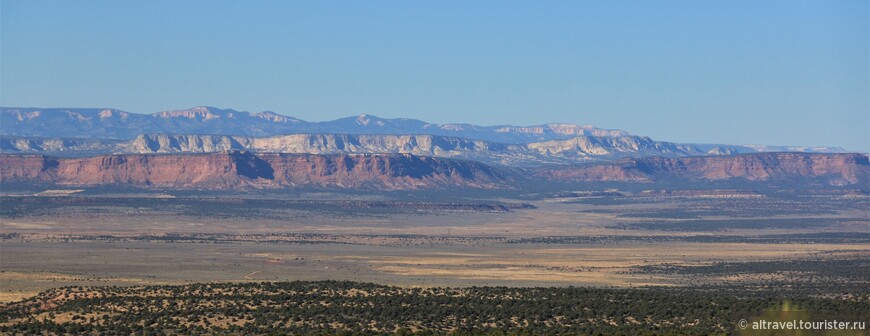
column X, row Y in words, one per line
column 838, row 169
column 242, row 169
column 230, row 170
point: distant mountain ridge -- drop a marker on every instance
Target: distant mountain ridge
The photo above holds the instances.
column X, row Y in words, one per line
column 560, row 151
column 577, row 149
column 108, row 123
column 88, row 132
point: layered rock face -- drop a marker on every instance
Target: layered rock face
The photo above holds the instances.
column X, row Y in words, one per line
column 762, row 167
column 429, row 145
column 26, row 168
column 245, row 170
column 382, row 171
column 837, row 169
column 136, row 170
column 165, row 143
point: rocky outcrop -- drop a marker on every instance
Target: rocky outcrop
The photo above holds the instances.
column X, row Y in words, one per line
column 35, row 145
column 27, row 168
column 382, row 171
column 234, row 170
column 835, row 169
column 762, row 166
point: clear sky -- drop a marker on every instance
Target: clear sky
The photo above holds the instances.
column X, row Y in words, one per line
column 767, row 72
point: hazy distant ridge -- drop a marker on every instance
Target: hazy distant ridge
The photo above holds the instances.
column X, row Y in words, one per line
column 107, row 123
column 82, row 132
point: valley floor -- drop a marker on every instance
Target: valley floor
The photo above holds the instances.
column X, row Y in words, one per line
column 814, row 246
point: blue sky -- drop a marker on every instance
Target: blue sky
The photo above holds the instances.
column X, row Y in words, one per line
column 771, row 72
